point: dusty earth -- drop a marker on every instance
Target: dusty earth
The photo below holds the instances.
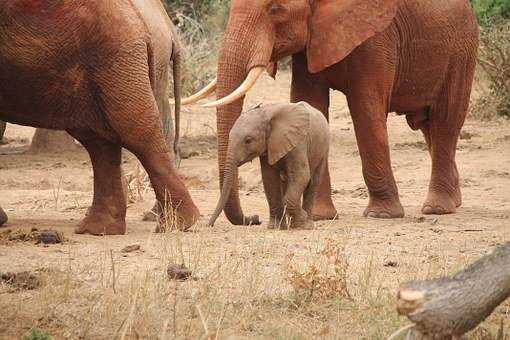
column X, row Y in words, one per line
column 89, row 293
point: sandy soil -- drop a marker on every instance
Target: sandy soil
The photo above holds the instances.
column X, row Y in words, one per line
column 53, row 191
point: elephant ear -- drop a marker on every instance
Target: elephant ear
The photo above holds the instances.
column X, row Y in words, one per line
column 289, row 126
column 338, row 27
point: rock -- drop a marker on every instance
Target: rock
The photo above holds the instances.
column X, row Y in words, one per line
column 178, row 272
column 391, row 264
column 131, row 248
column 3, row 217
column 465, row 135
column 22, row 280
column 186, row 154
column 50, row 237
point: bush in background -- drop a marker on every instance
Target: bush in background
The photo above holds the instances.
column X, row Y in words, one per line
column 200, row 24
column 488, row 11
column 494, row 60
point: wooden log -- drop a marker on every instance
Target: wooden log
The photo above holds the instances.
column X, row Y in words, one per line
column 3, row 217
column 447, row 308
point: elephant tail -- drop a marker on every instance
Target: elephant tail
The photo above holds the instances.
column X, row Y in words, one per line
column 177, row 64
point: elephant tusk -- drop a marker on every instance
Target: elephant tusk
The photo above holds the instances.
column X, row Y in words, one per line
column 241, row 91
column 203, row 93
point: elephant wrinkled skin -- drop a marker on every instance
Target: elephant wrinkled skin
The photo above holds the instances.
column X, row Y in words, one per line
column 99, row 70
column 413, row 57
column 292, row 142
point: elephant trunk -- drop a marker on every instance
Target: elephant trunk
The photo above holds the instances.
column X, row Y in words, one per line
column 235, row 62
column 230, row 175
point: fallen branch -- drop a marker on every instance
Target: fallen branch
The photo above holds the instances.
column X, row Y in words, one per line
column 450, row 307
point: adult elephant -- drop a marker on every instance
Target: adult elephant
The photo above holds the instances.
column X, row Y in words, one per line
column 413, row 57
column 99, row 70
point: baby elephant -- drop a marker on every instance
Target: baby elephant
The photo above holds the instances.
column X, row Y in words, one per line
column 292, row 141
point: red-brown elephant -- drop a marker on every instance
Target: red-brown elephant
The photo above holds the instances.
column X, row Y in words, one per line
column 99, row 70
column 413, row 57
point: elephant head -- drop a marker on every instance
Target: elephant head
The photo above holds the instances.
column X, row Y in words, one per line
column 269, row 130
column 261, row 32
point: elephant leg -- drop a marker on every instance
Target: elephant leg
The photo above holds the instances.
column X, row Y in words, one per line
column 3, row 217
column 175, row 204
column 107, row 214
column 311, row 189
column 441, row 132
column 371, row 133
column 168, row 132
column 296, row 185
column 132, row 114
column 273, row 191
column 304, row 88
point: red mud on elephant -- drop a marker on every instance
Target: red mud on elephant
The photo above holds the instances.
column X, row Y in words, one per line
column 412, row 57
column 101, row 74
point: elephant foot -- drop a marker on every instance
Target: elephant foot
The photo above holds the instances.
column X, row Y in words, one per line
column 438, row 203
column 152, row 215
column 324, row 211
column 252, row 220
column 303, row 225
column 277, row 222
column 3, row 217
column 384, row 209
column 181, row 219
column 98, row 224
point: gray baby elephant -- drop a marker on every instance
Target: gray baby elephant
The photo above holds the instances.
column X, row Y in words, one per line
column 292, row 141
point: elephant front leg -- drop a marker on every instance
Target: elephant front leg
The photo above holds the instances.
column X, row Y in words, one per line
column 107, row 214
column 273, row 192
column 296, row 186
column 372, row 137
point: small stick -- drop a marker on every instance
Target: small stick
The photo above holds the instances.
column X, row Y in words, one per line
column 113, row 271
column 203, row 321
column 400, row 331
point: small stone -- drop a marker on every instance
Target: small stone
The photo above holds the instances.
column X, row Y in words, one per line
column 391, row 264
column 189, row 154
column 131, row 248
column 178, row 272
column 50, row 237
column 465, row 135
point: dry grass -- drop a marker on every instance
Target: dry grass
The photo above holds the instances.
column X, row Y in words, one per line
column 258, row 286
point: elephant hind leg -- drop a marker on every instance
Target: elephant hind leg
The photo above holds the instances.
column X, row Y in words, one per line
column 130, row 108
column 442, row 132
column 107, row 214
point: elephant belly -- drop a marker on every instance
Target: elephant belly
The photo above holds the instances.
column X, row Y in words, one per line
column 47, row 99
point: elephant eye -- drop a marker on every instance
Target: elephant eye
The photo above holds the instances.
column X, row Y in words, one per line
column 248, row 140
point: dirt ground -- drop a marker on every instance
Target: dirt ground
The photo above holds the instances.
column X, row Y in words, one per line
column 244, row 275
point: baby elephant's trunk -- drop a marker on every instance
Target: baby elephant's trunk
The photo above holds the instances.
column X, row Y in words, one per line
column 228, row 179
